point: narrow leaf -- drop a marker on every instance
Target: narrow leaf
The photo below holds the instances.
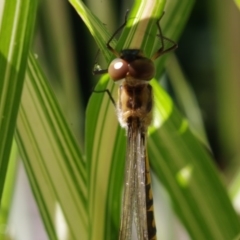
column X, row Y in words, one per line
column 54, row 165
column 15, row 39
column 186, row 169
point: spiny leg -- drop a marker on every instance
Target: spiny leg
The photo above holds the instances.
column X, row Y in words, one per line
column 115, row 33
column 161, row 50
column 108, row 93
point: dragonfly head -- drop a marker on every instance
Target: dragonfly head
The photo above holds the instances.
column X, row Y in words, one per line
column 132, row 63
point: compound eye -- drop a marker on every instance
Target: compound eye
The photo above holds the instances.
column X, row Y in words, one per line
column 142, row 69
column 118, row 69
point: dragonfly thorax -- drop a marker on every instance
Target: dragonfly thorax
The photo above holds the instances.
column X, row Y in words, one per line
column 135, row 102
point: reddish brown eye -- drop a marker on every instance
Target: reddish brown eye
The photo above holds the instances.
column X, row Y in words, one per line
column 118, row 69
column 142, row 69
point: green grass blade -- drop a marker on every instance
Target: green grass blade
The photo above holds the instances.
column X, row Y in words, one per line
column 234, row 189
column 54, row 165
column 60, row 61
column 17, row 22
column 7, row 196
column 186, row 99
column 185, row 168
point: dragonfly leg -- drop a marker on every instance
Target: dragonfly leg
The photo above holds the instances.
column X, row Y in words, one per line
column 161, row 50
column 115, row 33
column 108, row 93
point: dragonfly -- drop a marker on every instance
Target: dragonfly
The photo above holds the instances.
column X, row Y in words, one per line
column 135, row 112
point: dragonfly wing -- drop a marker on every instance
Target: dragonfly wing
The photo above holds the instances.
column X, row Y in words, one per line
column 140, row 189
column 129, row 191
column 134, row 198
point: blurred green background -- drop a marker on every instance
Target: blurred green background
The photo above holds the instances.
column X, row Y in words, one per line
column 208, row 56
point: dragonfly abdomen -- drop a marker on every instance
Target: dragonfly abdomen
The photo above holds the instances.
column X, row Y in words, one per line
column 149, row 203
